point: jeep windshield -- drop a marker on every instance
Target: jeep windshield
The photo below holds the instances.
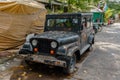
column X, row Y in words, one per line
column 61, row 24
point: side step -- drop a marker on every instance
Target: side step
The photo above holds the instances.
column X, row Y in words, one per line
column 84, row 49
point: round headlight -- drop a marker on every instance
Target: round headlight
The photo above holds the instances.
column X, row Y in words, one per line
column 53, row 44
column 34, row 42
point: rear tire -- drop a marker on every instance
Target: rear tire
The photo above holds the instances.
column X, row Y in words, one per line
column 100, row 29
column 95, row 31
column 70, row 65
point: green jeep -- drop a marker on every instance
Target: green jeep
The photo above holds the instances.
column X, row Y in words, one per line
column 98, row 21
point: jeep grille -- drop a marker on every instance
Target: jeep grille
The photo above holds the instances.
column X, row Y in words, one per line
column 44, row 45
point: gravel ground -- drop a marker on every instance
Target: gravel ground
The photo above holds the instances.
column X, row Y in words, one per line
column 102, row 63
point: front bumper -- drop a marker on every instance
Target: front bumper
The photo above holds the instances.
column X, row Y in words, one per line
column 49, row 60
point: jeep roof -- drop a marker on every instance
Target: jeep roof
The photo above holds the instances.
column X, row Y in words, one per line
column 70, row 14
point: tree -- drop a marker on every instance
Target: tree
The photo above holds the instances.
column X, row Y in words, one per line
column 80, row 5
column 115, row 6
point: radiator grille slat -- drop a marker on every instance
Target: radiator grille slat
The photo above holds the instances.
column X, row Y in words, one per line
column 44, row 45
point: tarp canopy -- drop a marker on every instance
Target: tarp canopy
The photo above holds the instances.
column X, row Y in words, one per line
column 17, row 19
column 20, row 7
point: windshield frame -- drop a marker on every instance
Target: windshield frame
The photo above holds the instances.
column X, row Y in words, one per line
column 72, row 28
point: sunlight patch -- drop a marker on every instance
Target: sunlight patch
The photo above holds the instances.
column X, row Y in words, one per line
column 105, row 45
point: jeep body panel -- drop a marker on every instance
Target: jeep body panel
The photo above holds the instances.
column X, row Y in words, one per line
column 61, row 37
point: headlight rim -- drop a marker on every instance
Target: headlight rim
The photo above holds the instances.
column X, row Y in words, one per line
column 34, row 44
column 52, row 43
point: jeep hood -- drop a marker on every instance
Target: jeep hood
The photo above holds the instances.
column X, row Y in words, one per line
column 61, row 37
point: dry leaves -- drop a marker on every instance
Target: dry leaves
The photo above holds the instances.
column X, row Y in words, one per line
column 21, row 66
column 30, row 69
column 39, row 75
column 9, row 56
column 19, row 78
column 85, row 71
column 24, row 74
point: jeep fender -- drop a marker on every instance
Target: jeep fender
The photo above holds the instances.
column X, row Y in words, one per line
column 91, row 39
column 72, row 50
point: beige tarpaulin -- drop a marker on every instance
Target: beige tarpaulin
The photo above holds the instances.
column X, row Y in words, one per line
column 17, row 19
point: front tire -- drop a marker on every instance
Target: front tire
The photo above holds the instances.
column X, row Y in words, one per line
column 29, row 63
column 70, row 65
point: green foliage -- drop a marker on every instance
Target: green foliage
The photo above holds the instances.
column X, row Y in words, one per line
column 115, row 6
column 80, row 5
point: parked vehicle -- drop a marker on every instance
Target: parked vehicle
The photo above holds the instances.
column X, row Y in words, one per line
column 110, row 21
column 98, row 21
column 65, row 38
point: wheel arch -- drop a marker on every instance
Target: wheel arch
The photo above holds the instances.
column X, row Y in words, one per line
column 91, row 39
column 77, row 53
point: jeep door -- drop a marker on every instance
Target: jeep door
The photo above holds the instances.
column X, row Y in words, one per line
column 86, row 24
column 89, row 28
column 83, row 32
